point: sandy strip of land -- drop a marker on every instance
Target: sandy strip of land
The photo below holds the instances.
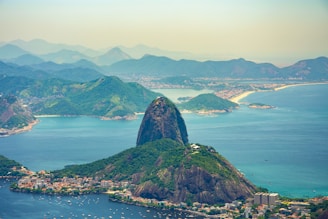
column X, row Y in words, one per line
column 294, row 85
column 237, row 98
column 46, row 116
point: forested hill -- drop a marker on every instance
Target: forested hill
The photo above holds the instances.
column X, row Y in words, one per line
column 107, row 96
column 208, row 103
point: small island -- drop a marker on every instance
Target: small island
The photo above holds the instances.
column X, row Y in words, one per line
column 207, row 104
column 260, row 106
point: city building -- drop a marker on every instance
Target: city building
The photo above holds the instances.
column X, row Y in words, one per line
column 262, row 198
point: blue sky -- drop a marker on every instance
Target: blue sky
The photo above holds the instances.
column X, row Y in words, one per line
column 278, row 31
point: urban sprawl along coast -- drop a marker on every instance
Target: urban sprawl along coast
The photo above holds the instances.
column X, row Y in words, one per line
column 263, row 204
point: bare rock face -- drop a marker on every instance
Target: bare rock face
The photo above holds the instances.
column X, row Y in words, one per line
column 162, row 120
column 198, row 185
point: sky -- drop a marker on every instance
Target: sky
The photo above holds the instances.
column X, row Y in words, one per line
column 277, row 31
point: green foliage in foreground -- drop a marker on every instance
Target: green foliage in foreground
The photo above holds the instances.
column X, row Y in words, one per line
column 207, row 102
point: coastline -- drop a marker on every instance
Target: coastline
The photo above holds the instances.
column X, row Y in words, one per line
column 15, row 131
column 236, row 99
column 241, row 96
column 294, row 85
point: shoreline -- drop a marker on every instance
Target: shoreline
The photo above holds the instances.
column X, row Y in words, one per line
column 15, row 131
column 239, row 97
column 295, row 85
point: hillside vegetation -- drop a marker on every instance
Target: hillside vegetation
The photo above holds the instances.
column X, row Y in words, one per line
column 167, row 170
column 207, row 102
column 8, row 167
column 106, row 96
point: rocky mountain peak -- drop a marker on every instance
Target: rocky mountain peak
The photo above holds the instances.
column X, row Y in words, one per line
column 162, row 119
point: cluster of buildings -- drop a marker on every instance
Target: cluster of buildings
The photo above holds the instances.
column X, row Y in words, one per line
column 261, row 205
column 43, row 182
column 269, row 203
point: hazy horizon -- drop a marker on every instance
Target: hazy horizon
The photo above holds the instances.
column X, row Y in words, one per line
column 280, row 32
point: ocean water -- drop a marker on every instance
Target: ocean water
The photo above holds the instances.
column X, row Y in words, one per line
column 174, row 94
column 284, row 149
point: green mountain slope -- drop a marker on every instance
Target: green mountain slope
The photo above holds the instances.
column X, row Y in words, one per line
column 107, row 96
column 207, row 102
column 167, row 170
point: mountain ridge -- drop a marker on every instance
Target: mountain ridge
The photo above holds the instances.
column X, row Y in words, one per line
column 117, row 62
column 237, row 68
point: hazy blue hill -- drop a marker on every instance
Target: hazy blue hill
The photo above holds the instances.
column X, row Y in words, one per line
column 83, row 63
column 49, row 66
column 310, row 69
column 77, row 74
column 46, row 70
column 163, row 66
column 27, row 59
column 140, row 50
column 10, row 51
column 207, row 102
column 64, row 56
column 241, row 68
column 110, row 57
column 11, row 69
column 155, row 66
column 53, row 67
column 39, row 46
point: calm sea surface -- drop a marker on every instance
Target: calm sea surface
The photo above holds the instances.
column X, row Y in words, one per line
column 283, row 149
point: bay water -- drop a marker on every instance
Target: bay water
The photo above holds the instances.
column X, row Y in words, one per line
column 284, row 149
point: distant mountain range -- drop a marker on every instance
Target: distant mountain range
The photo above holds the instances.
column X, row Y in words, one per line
column 11, row 53
column 311, row 69
column 121, row 61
